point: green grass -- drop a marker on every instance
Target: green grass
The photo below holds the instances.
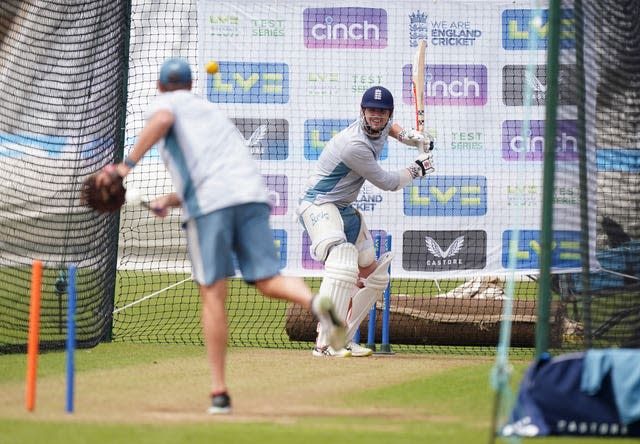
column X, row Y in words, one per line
column 448, row 405
column 173, row 316
column 437, row 400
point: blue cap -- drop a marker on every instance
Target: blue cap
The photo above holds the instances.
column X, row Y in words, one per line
column 377, row 97
column 175, row 70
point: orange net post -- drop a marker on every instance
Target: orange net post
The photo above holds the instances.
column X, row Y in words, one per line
column 34, row 332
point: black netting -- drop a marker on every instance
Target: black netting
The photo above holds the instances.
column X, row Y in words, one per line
column 62, row 75
column 604, row 305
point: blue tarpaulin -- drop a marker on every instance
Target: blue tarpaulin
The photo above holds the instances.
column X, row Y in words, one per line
column 594, row 393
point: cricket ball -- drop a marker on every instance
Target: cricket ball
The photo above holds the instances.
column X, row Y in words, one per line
column 211, row 67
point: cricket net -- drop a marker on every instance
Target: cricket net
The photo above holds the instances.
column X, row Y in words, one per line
column 77, row 78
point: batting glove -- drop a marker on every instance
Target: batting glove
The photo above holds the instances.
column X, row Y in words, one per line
column 422, row 166
column 412, row 137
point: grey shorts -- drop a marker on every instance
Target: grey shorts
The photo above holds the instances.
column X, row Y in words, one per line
column 235, row 236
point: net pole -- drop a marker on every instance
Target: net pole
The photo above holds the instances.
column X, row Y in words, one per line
column 502, row 371
column 71, row 338
column 548, row 180
column 583, row 173
column 34, row 335
column 385, row 346
column 371, row 332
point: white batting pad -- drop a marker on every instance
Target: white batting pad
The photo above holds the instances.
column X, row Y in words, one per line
column 339, row 282
column 363, row 300
column 325, row 228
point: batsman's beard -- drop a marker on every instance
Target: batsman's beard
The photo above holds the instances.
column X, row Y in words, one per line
column 374, row 126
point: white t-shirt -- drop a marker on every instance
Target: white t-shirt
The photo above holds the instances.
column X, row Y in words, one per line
column 347, row 160
column 207, row 157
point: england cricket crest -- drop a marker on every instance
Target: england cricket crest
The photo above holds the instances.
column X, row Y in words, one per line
column 418, row 29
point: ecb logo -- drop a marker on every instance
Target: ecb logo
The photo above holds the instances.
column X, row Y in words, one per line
column 317, row 132
column 565, row 249
column 245, row 82
column 517, row 25
column 446, row 196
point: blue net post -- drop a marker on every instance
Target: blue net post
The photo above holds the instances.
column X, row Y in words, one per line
column 385, row 346
column 71, row 337
column 371, row 336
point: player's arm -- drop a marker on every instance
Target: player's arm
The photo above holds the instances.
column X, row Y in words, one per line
column 104, row 191
column 155, row 129
column 395, row 131
column 161, row 205
column 361, row 160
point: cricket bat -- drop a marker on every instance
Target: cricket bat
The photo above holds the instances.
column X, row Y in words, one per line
column 417, row 80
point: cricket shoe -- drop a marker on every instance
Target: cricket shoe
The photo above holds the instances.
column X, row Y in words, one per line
column 220, row 404
column 329, row 351
column 322, row 307
column 358, row 351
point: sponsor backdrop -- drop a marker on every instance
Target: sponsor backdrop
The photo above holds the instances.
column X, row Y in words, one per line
column 292, row 74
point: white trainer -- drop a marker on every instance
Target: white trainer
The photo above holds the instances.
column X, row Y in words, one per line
column 329, row 351
column 358, row 351
column 322, row 308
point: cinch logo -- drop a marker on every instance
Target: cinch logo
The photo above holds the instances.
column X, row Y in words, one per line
column 267, row 139
column 516, row 146
column 435, row 251
column 516, row 24
column 516, row 79
column 277, row 186
column 565, row 249
column 345, row 28
column 449, row 85
column 446, row 196
column 245, row 82
column 317, row 132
